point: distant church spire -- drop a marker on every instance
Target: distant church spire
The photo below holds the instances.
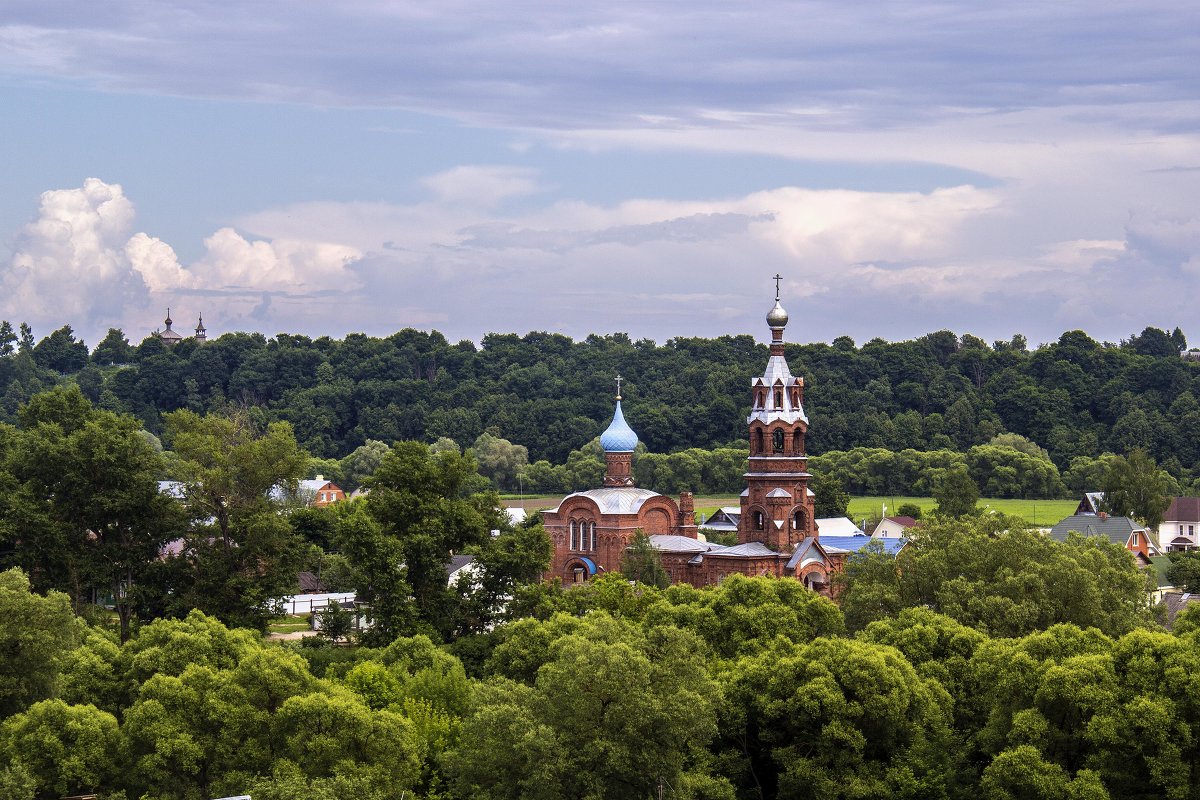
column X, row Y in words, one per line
column 169, row 336
column 201, row 334
column 618, row 442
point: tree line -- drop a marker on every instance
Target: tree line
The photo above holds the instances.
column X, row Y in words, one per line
column 1075, row 397
column 984, row 660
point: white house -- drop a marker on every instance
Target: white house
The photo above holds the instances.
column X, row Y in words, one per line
column 893, row 527
column 1180, row 528
column 838, row 526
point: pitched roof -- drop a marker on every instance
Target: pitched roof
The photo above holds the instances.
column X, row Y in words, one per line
column 748, row 550
column 1160, row 565
column 1114, row 529
column 1183, row 509
column 666, row 543
column 837, row 526
column 853, row 544
column 1178, row 603
column 907, row 522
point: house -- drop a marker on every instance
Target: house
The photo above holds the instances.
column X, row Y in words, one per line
column 1120, row 530
column 319, row 492
column 894, row 527
column 1091, row 503
column 1180, row 528
column 1176, row 604
column 462, row 567
column 516, row 515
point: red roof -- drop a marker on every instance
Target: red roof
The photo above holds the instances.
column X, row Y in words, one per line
column 907, row 522
column 1183, row 509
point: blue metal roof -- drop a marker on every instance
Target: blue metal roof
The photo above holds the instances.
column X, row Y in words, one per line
column 853, row 544
column 619, row 438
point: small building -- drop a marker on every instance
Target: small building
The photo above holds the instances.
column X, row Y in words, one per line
column 894, row 527
column 1180, row 528
column 319, row 492
column 1120, row 530
column 723, row 520
column 168, row 335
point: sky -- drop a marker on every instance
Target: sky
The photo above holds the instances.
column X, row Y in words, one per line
column 643, row 167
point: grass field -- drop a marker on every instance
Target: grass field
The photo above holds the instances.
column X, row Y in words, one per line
column 1043, row 513
column 289, row 624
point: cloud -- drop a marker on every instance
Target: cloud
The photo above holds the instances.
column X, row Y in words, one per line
column 484, row 186
column 78, row 263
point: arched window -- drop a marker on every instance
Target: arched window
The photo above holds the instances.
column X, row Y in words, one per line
column 797, row 445
column 593, row 527
column 758, row 441
column 758, row 520
column 799, row 520
column 779, row 398
column 572, row 534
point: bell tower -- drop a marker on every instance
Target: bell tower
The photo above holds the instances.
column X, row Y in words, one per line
column 777, row 509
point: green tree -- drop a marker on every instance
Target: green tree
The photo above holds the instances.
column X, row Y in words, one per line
column 832, row 499
column 243, row 553
column 36, row 635
column 68, row 750
column 956, row 494
column 362, row 462
column 61, row 351
column 89, row 486
column 417, row 502
column 335, row 622
column 642, row 562
column 499, row 460
column 114, row 348
column 1135, row 487
column 612, row 713
column 7, row 338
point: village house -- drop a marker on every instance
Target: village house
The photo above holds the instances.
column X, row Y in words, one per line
column 1180, row 528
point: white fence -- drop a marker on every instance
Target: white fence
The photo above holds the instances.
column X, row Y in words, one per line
column 306, row 603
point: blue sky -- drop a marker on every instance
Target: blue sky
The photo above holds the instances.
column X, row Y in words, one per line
column 645, row 167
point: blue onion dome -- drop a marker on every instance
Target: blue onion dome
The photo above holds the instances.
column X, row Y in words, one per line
column 619, row 438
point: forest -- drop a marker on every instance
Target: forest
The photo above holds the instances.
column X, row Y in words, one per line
column 984, row 658
column 545, row 397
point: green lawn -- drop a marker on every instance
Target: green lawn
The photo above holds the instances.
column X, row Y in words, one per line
column 1043, row 513
column 289, row 624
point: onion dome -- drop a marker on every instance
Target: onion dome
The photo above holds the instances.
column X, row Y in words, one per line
column 619, row 437
column 777, row 317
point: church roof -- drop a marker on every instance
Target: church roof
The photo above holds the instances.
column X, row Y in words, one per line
column 619, row 438
column 615, row 500
column 679, row 544
column 748, row 550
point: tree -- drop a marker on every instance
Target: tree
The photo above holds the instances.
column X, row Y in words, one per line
column 7, row 338
column 89, row 493
column 242, row 554
column 500, row 461
column 641, row 562
column 956, row 493
column 26, row 341
column 362, row 462
column 36, row 635
column 61, row 351
column 335, row 622
column 66, row 749
column 114, row 348
column 1135, row 487
column 612, row 713
column 832, row 499
column 419, row 517
column 993, row 574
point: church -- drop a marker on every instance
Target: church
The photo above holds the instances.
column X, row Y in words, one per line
column 777, row 533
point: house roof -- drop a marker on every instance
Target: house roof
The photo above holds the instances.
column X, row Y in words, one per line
column 853, row 544
column 1160, row 565
column 749, row 550
column 837, row 526
column 615, row 500
column 458, row 562
column 310, row 583
column 906, row 522
column 1183, row 509
column 666, row 543
column 807, row 551
column 1114, row 529
column 1178, row 603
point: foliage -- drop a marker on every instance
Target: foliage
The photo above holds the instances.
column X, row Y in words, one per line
column 1135, row 487
column 956, row 493
column 641, row 562
column 832, row 499
column 335, row 622
column 36, row 635
column 993, row 574
column 241, row 553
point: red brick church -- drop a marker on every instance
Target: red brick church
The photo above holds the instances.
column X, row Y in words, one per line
column 777, row 534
